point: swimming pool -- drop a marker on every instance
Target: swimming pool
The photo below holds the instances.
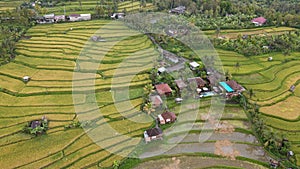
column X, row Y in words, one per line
column 207, row 94
column 226, row 87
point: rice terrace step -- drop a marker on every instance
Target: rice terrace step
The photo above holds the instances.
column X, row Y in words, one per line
column 149, row 84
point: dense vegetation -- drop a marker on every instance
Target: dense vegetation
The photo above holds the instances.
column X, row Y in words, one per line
column 226, row 22
column 257, row 45
column 14, row 24
column 277, row 12
column 273, row 141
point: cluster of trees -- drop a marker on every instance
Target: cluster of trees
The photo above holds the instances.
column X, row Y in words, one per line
column 226, row 22
column 147, row 105
column 43, row 3
column 277, row 12
column 256, row 45
column 41, row 129
column 77, row 124
column 176, row 46
column 273, row 141
column 8, row 45
column 104, row 9
column 14, row 24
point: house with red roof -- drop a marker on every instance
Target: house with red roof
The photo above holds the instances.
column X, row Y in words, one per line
column 166, row 117
column 198, row 81
column 235, row 86
column 163, row 89
column 259, row 21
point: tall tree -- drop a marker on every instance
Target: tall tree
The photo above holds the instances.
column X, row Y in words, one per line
column 80, row 4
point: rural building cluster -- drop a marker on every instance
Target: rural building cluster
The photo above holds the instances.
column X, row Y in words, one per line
column 52, row 18
column 213, row 85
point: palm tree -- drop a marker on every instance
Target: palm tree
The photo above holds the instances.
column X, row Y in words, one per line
column 115, row 7
column 80, row 4
column 218, row 31
column 228, row 75
column 143, row 3
column 148, row 108
column 102, row 2
column 271, row 139
column 256, row 107
column 251, row 93
column 243, row 102
column 148, row 89
column 286, row 52
column 237, row 65
column 259, row 123
column 116, row 164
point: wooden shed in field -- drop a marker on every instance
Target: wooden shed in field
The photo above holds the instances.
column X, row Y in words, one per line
column 292, row 88
column 26, row 79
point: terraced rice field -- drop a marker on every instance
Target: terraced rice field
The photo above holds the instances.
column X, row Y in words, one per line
column 271, row 81
column 49, row 57
column 178, row 142
column 88, row 6
column 9, row 4
column 195, row 162
column 233, row 34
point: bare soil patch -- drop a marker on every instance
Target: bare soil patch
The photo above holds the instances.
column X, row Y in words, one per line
column 193, row 162
column 225, row 148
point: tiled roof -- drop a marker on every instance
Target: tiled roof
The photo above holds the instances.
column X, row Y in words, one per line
column 169, row 115
column 260, row 20
column 154, row 131
column 163, row 89
column 180, row 84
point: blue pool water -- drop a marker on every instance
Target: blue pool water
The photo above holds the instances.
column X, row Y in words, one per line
column 226, row 87
column 207, row 94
